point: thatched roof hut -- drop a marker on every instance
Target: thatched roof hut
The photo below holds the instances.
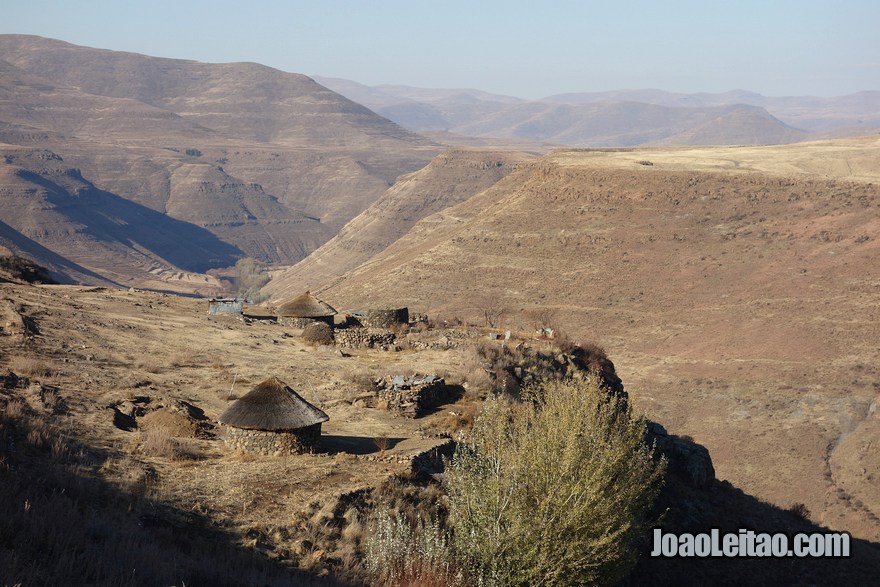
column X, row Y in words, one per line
column 273, row 419
column 305, row 305
column 272, row 406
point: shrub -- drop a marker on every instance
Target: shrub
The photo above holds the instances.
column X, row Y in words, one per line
column 800, row 510
column 553, row 491
column 250, row 277
column 25, row 270
column 318, row 333
column 401, row 554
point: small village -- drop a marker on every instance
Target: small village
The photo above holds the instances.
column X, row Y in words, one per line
column 273, row 419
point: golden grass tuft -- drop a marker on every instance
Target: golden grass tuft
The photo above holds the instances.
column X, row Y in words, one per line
column 31, row 366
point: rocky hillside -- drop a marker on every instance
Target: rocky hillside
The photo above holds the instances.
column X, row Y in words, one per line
column 736, row 289
column 450, row 178
column 270, row 164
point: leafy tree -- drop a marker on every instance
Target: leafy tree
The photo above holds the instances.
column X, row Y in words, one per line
column 250, row 277
column 553, row 491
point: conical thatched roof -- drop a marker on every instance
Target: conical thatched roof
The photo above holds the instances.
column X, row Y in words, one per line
column 305, row 305
column 272, row 406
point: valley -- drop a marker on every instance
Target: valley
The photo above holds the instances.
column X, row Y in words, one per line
column 735, row 288
column 709, row 258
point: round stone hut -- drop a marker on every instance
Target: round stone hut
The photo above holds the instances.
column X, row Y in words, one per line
column 303, row 309
column 273, row 419
column 384, row 317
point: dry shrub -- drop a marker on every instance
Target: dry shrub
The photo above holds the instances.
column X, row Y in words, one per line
column 399, row 329
column 402, row 553
column 556, row 490
column 462, row 417
column 244, row 456
column 800, row 510
column 31, row 367
column 362, row 381
column 540, row 318
column 186, row 358
column 15, row 409
column 382, row 443
column 479, row 383
column 354, row 532
column 343, row 458
column 317, row 334
column 40, row 433
column 151, row 364
column 419, row 327
column 593, row 354
column 157, row 442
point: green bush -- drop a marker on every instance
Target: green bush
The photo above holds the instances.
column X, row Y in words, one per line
column 553, row 491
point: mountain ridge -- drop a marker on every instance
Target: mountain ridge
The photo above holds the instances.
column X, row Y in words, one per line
column 270, row 163
column 465, row 112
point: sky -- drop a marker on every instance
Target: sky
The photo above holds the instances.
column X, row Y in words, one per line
column 513, row 47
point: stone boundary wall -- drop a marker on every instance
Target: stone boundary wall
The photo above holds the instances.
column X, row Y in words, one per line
column 273, row 443
column 432, row 461
column 363, row 337
column 413, row 401
column 427, row 462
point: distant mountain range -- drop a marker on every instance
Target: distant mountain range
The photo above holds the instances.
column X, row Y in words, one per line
column 620, row 118
column 134, row 170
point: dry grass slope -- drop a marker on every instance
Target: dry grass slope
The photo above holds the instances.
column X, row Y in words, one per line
column 735, row 287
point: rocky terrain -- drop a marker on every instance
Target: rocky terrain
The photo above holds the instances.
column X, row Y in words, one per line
column 450, row 178
column 112, row 458
column 736, row 289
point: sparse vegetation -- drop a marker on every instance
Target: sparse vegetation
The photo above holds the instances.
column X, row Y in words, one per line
column 60, row 526
column 157, row 442
column 800, row 510
column 31, row 366
column 403, row 554
column 24, row 270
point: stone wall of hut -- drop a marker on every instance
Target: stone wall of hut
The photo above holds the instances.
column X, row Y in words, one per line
column 363, row 337
column 273, row 443
column 303, row 322
column 384, row 318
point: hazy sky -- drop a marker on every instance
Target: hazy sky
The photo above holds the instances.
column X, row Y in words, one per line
column 525, row 49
